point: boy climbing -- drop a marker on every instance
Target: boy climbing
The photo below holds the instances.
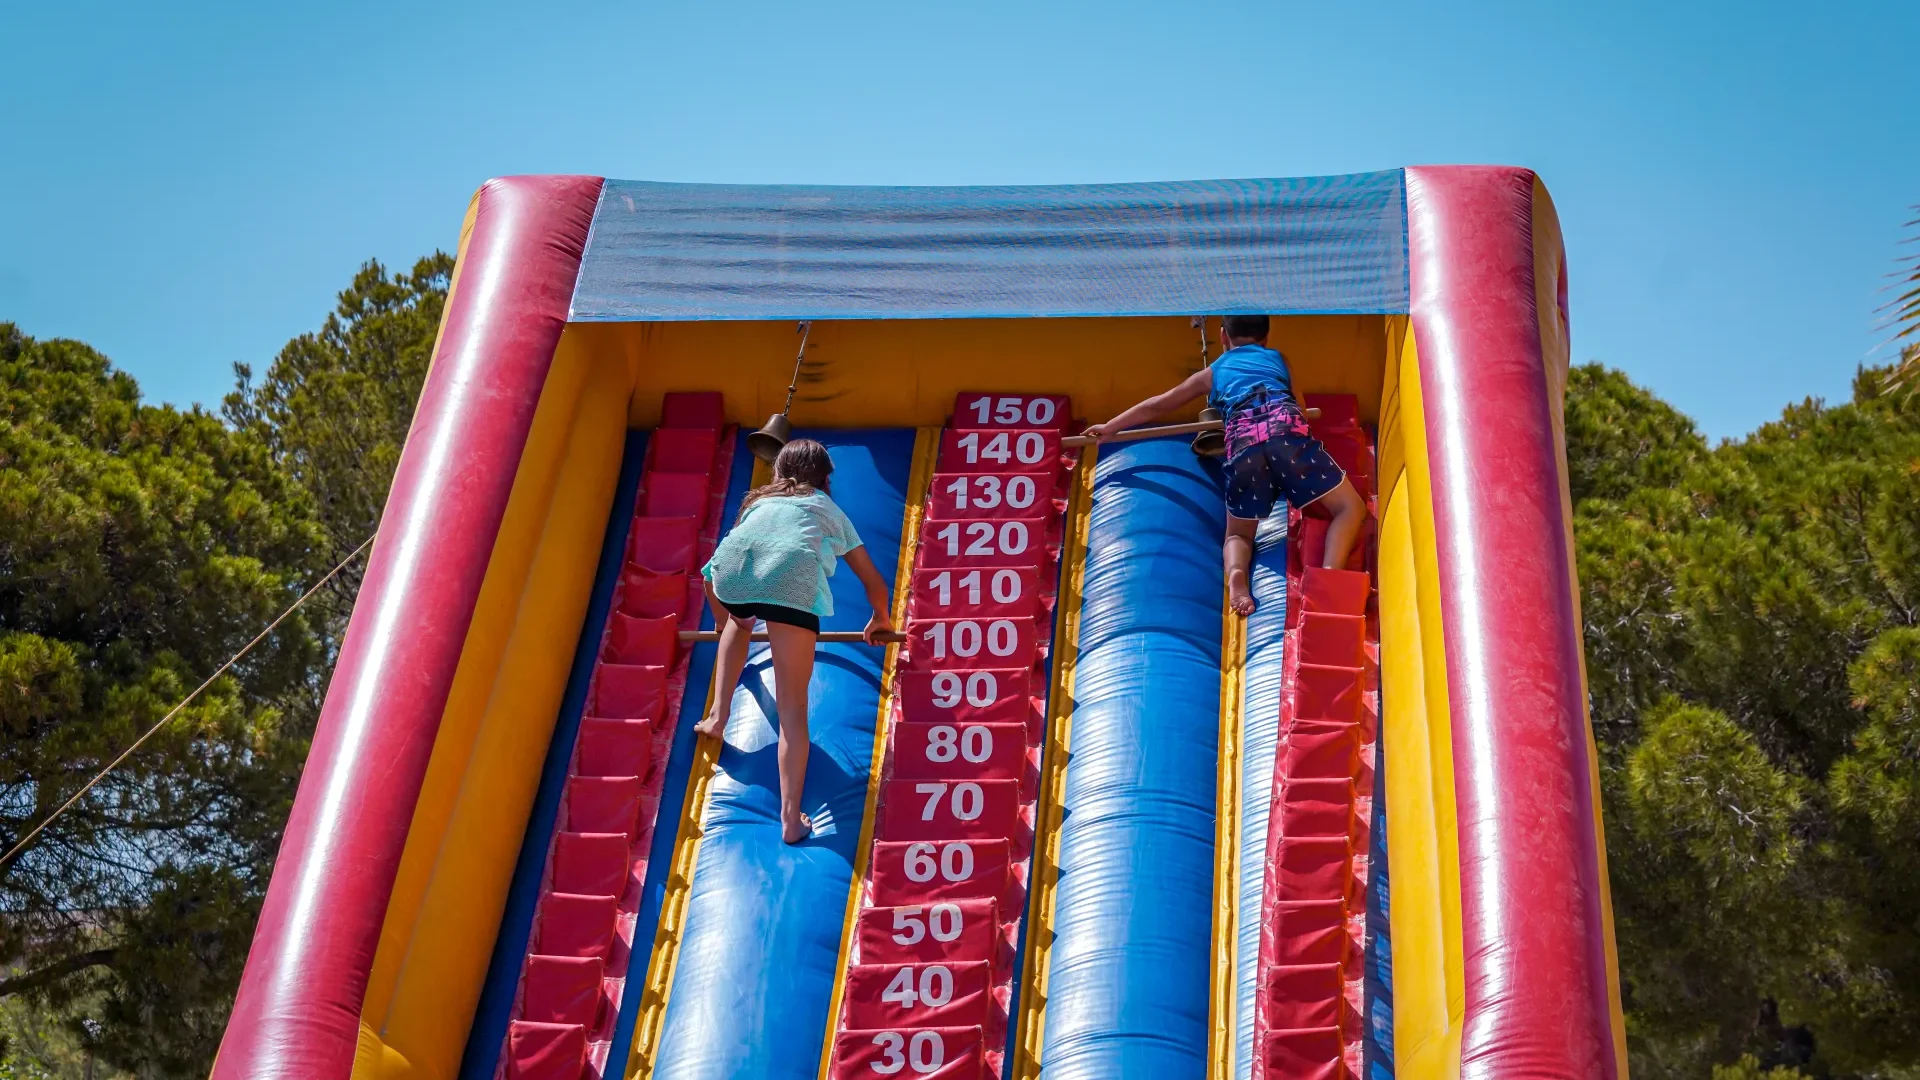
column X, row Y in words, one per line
column 1271, row 455
column 773, row 566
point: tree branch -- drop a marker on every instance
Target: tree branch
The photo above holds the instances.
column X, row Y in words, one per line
column 54, row 972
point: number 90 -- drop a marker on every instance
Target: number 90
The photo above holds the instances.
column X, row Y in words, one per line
column 980, row 688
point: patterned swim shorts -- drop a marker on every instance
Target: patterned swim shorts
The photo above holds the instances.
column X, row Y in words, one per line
column 1273, row 457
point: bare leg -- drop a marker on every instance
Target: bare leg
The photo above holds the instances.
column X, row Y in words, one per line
column 1237, row 552
column 735, row 637
column 792, row 672
column 1348, row 510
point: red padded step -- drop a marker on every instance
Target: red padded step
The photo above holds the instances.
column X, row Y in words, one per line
column 997, row 451
column 1316, row 808
column 1321, row 749
column 664, row 545
column 956, row 810
column 647, row 595
column 922, row 872
column 971, row 644
column 975, row 592
column 647, row 642
column 1333, row 640
column 591, row 864
column 980, row 409
column 1305, row 995
column 1305, row 1054
column 674, row 495
column 1335, row 592
column 1327, row 693
column 994, row 696
column 960, row 751
column 947, row 932
column 970, row 544
column 1313, row 866
column 603, row 804
column 682, row 450
column 953, row 1053
column 992, row 495
column 538, row 1051
column 693, row 409
column 561, row 990
column 918, row 995
column 614, row 748
column 1310, row 932
column 570, row 924
column 629, row 691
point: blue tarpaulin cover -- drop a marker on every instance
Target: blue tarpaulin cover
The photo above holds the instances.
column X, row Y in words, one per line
column 692, row 252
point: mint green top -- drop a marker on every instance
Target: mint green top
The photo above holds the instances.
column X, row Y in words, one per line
column 782, row 552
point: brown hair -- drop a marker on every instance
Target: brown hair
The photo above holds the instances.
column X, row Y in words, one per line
column 802, row 468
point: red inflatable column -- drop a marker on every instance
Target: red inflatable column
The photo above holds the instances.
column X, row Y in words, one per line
column 298, row 1010
column 1534, row 940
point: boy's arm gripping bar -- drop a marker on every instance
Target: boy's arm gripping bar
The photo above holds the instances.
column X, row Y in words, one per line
column 886, row 637
column 1130, row 434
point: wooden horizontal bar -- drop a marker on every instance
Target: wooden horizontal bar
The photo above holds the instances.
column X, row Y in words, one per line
column 1165, row 429
column 894, row 637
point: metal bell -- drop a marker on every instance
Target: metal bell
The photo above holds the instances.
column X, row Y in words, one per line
column 1210, row 443
column 767, row 442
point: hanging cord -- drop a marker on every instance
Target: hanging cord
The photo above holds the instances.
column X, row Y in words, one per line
column 805, row 328
column 7, row 859
column 1200, row 323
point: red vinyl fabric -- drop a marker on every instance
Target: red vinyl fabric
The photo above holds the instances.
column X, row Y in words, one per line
column 297, row 1013
column 1530, row 883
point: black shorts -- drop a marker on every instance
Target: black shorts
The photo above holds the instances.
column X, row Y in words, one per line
column 805, row 620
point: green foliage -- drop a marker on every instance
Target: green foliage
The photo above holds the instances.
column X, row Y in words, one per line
column 140, row 547
column 1754, row 664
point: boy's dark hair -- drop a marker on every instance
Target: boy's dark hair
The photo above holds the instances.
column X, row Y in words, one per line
column 802, row 468
column 1247, row 327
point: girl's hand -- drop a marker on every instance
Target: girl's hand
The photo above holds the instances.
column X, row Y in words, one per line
column 880, row 623
column 1096, row 432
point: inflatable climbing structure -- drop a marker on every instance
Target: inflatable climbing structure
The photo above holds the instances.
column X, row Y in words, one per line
column 1084, row 822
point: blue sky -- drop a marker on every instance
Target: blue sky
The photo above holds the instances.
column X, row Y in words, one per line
column 187, row 189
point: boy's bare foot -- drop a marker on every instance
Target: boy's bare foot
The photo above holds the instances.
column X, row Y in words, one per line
column 795, row 831
column 1238, row 595
column 713, row 725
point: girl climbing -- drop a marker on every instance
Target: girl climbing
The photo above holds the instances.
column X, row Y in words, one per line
column 773, row 566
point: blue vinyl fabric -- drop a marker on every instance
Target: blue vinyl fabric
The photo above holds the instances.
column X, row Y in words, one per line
column 1259, row 743
column 1297, row 246
column 490, row 1018
column 1128, row 982
column 673, row 792
column 1377, row 1042
column 761, row 945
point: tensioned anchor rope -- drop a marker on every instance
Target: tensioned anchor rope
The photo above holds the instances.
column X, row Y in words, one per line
column 7, row 859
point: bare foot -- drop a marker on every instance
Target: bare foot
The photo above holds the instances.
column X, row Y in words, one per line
column 795, row 831
column 713, row 725
column 1239, row 595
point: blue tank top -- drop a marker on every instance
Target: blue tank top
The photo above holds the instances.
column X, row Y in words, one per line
column 1242, row 370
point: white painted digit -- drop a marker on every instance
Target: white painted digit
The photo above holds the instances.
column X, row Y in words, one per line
column 920, row 864
column 1006, row 587
column 908, row 920
column 1031, row 448
column 1013, row 538
column 933, row 792
column 983, row 689
column 982, row 533
column 936, row 985
column 943, row 922
column 966, row 638
column 943, row 743
column 971, row 583
column 900, row 990
column 927, row 1052
column 951, row 534
column 996, row 449
column 890, row 1043
column 1007, row 410
column 946, row 689
column 943, row 584
column 968, row 801
column 1040, row 412
column 956, row 861
column 976, row 744
column 987, row 492
column 937, row 633
column 980, row 405
column 958, row 489
column 970, row 442
column 1001, row 638
column 1020, row 492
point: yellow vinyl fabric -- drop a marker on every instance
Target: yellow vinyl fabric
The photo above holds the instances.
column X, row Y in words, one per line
column 1416, row 738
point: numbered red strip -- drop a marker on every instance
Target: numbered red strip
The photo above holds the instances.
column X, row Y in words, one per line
column 933, row 954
